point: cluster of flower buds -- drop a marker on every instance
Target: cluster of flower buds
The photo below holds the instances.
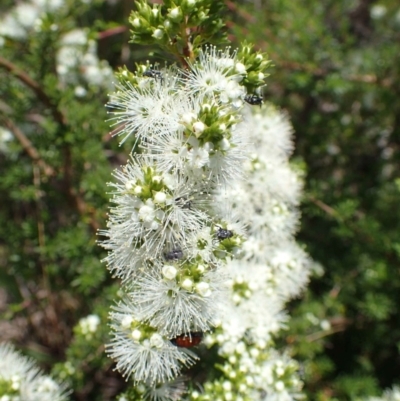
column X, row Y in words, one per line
column 170, row 235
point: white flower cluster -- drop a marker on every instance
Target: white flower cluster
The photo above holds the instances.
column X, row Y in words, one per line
column 388, row 395
column 21, row 380
column 76, row 59
column 273, row 269
column 168, row 238
column 88, row 326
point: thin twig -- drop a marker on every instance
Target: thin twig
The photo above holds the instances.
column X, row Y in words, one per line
column 35, row 86
column 323, row 206
column 28, row 147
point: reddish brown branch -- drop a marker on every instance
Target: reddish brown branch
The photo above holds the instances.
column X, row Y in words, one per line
column 28, row 147
column 74, row 196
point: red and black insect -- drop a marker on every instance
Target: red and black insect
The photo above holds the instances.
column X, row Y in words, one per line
column 188, row 340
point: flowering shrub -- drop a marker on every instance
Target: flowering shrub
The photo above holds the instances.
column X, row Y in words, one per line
column 201, row 233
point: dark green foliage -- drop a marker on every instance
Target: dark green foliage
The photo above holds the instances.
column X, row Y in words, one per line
column 335, row 73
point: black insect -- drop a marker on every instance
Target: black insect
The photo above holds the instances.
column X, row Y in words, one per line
column 254, row 100
column 222, row 233
column 175, row 254
column 183, row 202
column 152, row 74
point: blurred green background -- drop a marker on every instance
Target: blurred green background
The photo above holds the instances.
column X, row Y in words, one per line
column 336, row 71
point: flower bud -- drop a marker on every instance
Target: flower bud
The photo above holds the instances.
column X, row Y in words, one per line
column 169, row 272
column 160, row 197
column 158, row 34
column 136, row 334
column 187, row 284
column 203, row 289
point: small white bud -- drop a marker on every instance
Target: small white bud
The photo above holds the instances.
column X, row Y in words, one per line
column 167, row 23
column 261, row 76
column 160, row 197
column 254, row 352
column 236, row 298
column 279, row 371
column 279, row 386
column 138, row 190
column 227, row 386
column 129, row 184
column 240, row 348
column 188, row 117
column 146, row 213
column 325, row 325
column 156, row 341
column 224, row 144
column 240, row 68
column 175, row 12
column 136, row 334
column 136, row 22
column 155, row 11
column 169, row 272
column 259, row 57
column 203, row 289
column 187, row 284
column 198, row 127
column 157, row 179
column 126, row 322
column 201, row 268
column 158, row 33
column 222, row 127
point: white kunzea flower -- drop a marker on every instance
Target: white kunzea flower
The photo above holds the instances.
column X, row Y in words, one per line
column 143, row 223
column 77, row 58
column 25, row 380
column 88, row 325
column 148, row 110
column 392, row 394
column 172, row 238
column 214, row 74
column 172, row 307
column 170, row 391
column 143, row 354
